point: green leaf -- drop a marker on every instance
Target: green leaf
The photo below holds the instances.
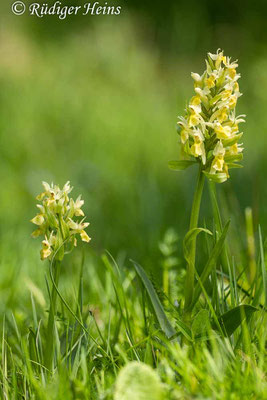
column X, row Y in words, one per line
column 231, row 320
column 189, row 237
column 180, row 165
column 183, row 328
column 212, row 261
column 201, row 324
column 233, row 158
column 217, row 178
column 234, row 165
column 157, row 306
column 230, row 142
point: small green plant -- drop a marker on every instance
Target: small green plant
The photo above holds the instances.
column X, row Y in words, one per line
column 59, row 221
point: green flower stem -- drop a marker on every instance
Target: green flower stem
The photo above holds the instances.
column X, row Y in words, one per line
column 190, row 273
column 218, row 225
column 49, row 351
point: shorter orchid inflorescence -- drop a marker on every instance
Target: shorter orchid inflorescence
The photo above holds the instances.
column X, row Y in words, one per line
column 209, row 131
column 57, row 221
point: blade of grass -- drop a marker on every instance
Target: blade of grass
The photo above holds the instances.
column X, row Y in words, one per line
column 263, row 269
column 234, row 317
column 157, row 306
column 215, row 253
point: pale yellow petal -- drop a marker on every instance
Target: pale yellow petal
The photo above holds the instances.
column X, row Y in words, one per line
column 85, row 237
column 38, row 219
column 45, row 253
column 36, row 233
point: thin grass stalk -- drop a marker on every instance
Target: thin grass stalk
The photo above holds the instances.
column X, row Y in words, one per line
column 51, row 319
column 166, row 281
column 218, row 225
column 251, row 245
column 190, row 273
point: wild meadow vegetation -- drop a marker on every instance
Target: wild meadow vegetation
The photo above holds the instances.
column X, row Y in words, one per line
column 158, row 304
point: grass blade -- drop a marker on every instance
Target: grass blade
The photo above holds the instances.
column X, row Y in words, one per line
column 263, row 268
column 189, row 237
column 215, row 253
column 157, row 306
column 231, row 320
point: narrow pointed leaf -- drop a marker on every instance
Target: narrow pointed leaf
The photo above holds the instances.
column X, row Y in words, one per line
column 212, row 261
column 189, row 237
column 184, row 329
column 234, row 157
column 231, row 320
column 230, row 142
column 234, row 165
column 180, row 165
column 157, row 306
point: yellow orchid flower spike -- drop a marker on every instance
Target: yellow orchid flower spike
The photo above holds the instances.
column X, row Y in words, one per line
column 210, row 135
column 210, row 123
column 55, row 221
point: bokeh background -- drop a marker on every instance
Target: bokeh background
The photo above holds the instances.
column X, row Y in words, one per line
column 95, row 100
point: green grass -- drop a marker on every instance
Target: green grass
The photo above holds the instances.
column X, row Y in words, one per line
column 112, row 323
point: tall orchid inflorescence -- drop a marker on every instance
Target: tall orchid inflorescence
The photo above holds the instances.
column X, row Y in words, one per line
column 209, row 131
column 57, row 221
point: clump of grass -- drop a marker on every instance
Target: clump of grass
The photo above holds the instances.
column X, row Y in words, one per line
column 120, row 327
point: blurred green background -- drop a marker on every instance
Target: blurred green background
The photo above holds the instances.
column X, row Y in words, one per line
column 95, row 100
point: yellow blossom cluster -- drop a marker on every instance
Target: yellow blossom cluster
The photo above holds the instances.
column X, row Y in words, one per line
column 57, row 221
column 209, row 131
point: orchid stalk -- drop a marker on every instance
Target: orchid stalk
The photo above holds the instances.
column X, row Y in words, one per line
column 209, row 134
column 59, row 222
